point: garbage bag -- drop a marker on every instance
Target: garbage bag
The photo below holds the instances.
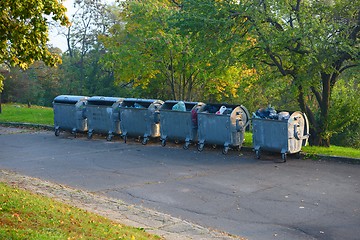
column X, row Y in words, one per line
column 221, row 110
column 180, row 106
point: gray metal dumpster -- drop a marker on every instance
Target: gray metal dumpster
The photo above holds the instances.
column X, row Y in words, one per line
column 69, row 114
column 286, row 135
column 179, row 124
column 140, row 117
column 225, row 129
column 103, row 116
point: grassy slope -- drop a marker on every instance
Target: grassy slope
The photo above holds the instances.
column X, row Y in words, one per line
column 24, row 215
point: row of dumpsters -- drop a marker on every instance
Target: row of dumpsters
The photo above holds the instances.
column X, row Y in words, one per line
column 180, row 121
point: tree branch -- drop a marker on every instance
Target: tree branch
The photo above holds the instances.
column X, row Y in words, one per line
column 317, row 95
column 177, row 4
column 348, row 66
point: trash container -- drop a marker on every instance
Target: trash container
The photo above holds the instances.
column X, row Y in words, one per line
column 69, row 114
column 140, row 117
column 222, row 124
column 179, row 121
column 103, row 116
column 283, row 132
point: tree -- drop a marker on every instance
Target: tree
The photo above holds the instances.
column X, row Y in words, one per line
column 146, row 50
column 309, row 42
column 24, row 31
column 81, row 70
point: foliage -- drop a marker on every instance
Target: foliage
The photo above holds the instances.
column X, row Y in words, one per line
column 148, row 52
column 81, row 72
column 345, row 112
column 142, row 48
column 308, row 42
column 21, row 113
column 39, row 84
column 25, row 215
column 24, row 31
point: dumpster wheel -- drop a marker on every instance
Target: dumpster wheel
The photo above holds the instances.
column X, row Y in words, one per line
column 186, row 145
column 200, row 147
column 109, row 137
column 163, row 142
column 257, row 153
column 89, row 135
column 57, row 132
column 145, row 141
column 225, row 150
column 283, row 156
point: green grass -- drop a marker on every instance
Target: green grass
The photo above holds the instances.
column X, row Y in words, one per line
column 313, row 150
column 24, row 215
column 332, row 151
column 248, row 139
column 20, row 113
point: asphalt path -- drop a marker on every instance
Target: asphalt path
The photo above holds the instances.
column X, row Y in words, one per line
column 234, row 193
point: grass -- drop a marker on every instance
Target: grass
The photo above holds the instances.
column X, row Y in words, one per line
column 248, row 139
column 314, row 150
column 332, row 151
column 20, row 113
column 24, row 215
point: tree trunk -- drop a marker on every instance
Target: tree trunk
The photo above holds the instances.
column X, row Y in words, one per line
column 317, row 126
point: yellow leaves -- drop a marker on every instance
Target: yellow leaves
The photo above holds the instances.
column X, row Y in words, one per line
column 252, row 41
column 17, row 216
column 132, row 237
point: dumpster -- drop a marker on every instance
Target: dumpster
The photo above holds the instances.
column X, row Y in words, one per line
column 140, row 117
column 69, row 114
column 179, row 121
column 222, row 124
column 283, row 132
column 103, row 116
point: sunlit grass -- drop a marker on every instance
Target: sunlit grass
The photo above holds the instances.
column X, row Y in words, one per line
column 313, row 150
column 333, row 151
column 24, row 215
column 20, row 113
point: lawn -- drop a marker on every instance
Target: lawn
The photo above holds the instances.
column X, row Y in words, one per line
column 20, row 113
column 25, row 215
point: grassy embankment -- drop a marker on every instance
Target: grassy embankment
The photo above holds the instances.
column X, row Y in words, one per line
column 42, row 115
column 24, row 215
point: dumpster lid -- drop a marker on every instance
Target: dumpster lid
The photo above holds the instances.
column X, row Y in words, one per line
column 101, row 100
column 69, row 99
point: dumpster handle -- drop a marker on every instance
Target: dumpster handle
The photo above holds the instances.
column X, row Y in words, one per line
column 247, row 116
column 297, row 133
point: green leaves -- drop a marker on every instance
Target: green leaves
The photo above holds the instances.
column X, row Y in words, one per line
column 24, row 31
